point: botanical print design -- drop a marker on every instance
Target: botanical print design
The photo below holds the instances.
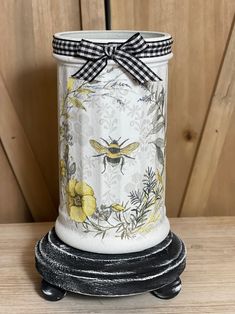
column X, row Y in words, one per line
column 69, row 101
column 113, row 152
column 71, row 97
column 81, row 200
column 138, row 215
column 156, row 100
column 111, row 183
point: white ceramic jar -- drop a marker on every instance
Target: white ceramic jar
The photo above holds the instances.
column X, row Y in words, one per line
column 112, row 151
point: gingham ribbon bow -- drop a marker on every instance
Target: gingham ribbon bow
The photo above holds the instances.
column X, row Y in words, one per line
column 97, row 57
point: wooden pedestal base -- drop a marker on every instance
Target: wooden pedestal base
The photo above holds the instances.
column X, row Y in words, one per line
column 64, row 268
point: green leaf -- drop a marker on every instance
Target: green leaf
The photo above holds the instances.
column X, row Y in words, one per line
column 159, row 142
column 161, row 98
column 85, row 91
column 72, row 168
column 152, row 108
column 156, row 119
column 98, row 233
column 76, row 103
column 160, row 155
column 157, row 128
column 103, row 235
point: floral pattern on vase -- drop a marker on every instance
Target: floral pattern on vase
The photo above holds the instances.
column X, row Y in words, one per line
column 122, row 123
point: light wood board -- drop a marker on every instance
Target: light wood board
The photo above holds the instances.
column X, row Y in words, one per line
column 208, row 281
column 200, row 30
column 215, row 131
column 22, row 160
column 93, row 14
column 29, row 72
column 9, row 185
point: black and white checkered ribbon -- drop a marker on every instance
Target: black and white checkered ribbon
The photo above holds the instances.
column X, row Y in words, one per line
column 126, row 54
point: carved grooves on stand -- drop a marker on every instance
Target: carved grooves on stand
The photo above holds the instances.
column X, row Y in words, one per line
column 103, row 274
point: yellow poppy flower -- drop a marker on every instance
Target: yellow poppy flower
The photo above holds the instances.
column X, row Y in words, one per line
column 81, row 200
column 117, row 207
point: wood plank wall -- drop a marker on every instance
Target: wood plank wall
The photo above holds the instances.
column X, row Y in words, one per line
column 200, row 29
column 29, row 72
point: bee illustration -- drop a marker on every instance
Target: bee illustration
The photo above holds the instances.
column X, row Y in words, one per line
column 113, row 152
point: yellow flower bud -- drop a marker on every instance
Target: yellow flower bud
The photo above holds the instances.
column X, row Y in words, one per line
column 70, row 84
column 159, row 177
column 117, row 207
column 63, row 172
column 62, row 168
column 71, row 187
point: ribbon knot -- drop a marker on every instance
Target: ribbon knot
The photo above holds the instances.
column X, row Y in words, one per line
column 124, row 54
column 110, row 51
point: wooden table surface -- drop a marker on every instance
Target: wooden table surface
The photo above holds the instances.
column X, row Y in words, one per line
column 208, row 281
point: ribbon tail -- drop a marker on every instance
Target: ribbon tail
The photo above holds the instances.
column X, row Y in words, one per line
column 136, row 67
column 90, row 70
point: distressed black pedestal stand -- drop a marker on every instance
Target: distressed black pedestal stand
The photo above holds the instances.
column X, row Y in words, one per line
column 64, row 268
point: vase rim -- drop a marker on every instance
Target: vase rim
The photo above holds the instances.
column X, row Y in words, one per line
column 111, row 35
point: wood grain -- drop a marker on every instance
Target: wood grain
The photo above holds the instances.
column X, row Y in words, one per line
column 200, row 30
column 92, row 14
column 221, row 197
column 27, row 66
column 9, row 187
column 23, row 161
column 213, row 137
column 208, row 281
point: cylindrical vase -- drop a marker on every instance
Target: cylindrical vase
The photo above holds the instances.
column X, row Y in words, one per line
column 112, row 137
